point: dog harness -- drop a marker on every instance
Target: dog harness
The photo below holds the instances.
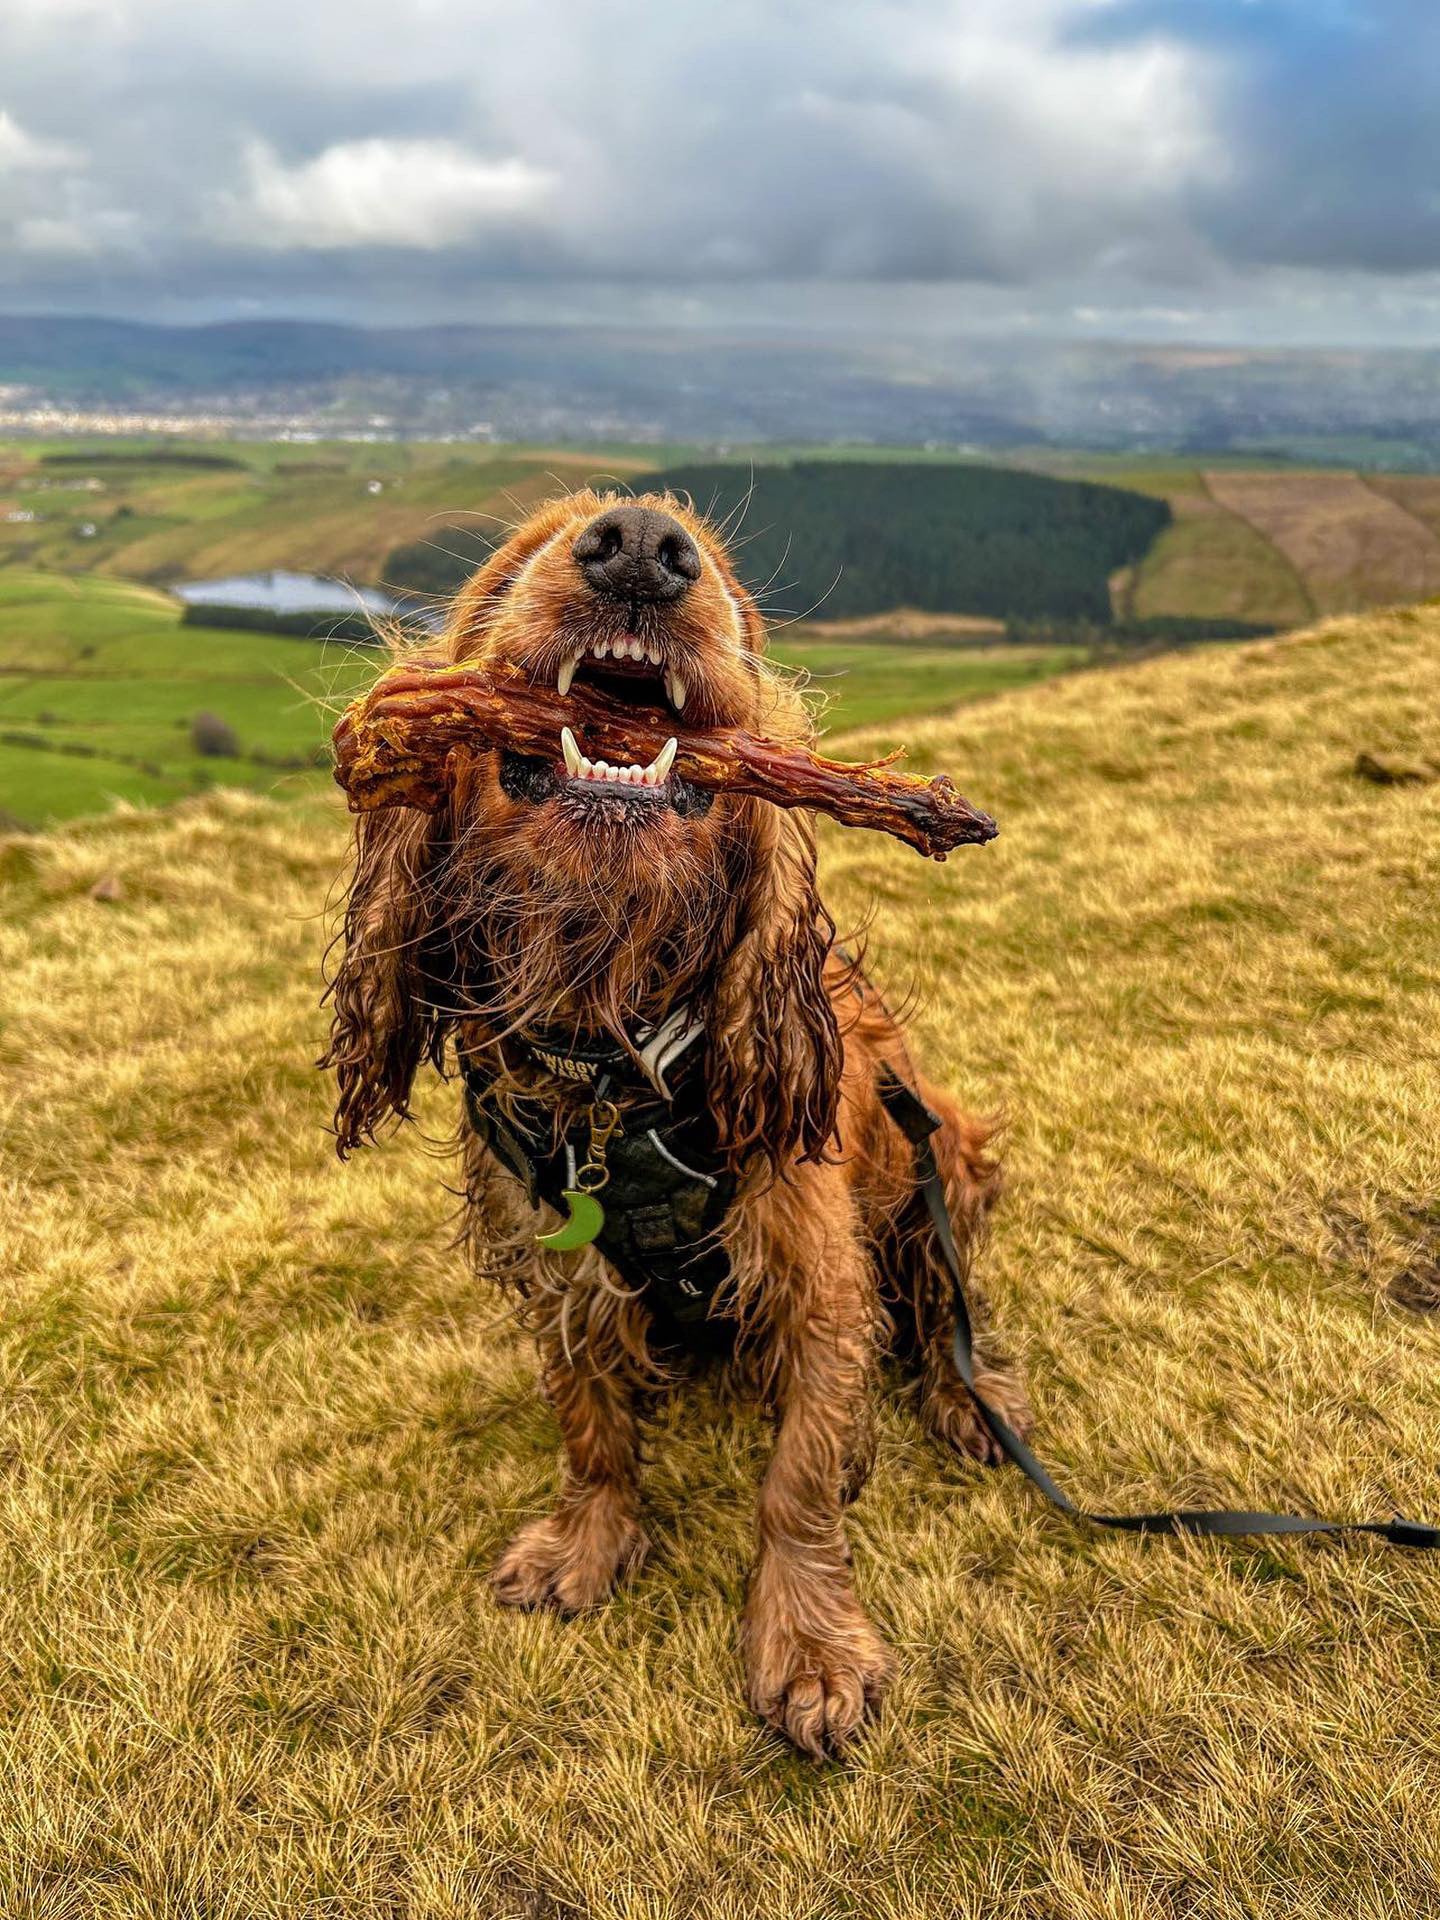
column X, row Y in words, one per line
column 668, row 1188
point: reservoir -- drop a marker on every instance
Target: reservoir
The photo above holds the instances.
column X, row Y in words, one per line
column 280, row 591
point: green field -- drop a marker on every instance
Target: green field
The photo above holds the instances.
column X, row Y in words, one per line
column 311, row 507
column 264, row 1436
column 865, row 683
column 99, row 684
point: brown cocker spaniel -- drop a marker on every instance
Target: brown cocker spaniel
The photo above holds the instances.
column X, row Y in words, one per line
column 639, row 985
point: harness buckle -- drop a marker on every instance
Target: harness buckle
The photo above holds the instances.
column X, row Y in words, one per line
column 604, row 1124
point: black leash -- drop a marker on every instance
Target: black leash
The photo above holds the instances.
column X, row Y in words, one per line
column 918, row 1123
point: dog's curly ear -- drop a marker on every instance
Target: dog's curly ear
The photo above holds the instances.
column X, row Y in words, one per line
column 386, row 1018
column 775, row 1052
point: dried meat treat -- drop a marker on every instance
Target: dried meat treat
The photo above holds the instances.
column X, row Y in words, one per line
column 395, row 747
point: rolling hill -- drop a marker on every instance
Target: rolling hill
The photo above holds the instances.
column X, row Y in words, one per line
column 1269, row 545
column 263, row 1436
column 97, row 688
column 592, row 385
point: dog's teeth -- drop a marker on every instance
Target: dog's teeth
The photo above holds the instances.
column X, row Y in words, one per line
column 653, row 654
column 587, row 768
column 676, row 688
column 574, row 759
column 601, row 649
column 566, row 675
column 665, row 759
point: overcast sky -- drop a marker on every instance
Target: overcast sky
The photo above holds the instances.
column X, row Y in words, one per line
column 1160, row 169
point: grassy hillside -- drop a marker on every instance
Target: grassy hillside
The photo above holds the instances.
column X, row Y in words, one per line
column 99, row 685
column 263, row 1437
column 338, row 508
column 1351, row 544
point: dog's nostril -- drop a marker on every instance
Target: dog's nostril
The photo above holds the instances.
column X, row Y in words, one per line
column 637, row 553
column 677, row 554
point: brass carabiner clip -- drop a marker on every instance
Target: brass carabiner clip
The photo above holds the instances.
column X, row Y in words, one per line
column 604, row 1124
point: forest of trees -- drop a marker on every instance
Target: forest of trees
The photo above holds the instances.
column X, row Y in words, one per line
column 858, row 537
column 312, row 624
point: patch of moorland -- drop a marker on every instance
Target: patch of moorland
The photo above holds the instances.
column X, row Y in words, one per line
column 264, row 1437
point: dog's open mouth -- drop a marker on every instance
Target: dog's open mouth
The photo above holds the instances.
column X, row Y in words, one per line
column 630, row 672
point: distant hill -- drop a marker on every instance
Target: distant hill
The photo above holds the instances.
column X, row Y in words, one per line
column 570, row 384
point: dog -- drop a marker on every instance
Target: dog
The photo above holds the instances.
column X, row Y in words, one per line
column 612, row 958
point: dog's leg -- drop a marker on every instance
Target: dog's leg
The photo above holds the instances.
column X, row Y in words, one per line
column 571, row 1559
column 814, row 1663
column 972, row 1184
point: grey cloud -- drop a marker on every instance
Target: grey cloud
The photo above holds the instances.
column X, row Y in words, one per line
column 1051, row 153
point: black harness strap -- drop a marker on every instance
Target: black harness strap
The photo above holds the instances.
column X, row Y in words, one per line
column 918, row 1123
column 668, row 1191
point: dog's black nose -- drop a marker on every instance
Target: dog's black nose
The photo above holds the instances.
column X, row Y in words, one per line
column 635, row 553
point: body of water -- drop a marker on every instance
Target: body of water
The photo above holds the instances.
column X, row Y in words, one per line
column 280, row 591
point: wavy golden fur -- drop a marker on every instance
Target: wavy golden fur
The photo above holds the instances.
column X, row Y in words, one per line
column 524, row 907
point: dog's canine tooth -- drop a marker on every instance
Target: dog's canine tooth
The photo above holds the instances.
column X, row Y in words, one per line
column 665, row 759
column 574, row 759
column 676, row 688
column 566, row 674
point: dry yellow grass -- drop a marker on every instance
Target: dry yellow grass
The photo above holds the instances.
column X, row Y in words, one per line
column 1211, row 563
column 1350, row 545
column 263, row 1437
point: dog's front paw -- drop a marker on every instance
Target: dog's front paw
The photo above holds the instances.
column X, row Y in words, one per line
column 815, row 1683
column 570, row 1560
column 952, row 1415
